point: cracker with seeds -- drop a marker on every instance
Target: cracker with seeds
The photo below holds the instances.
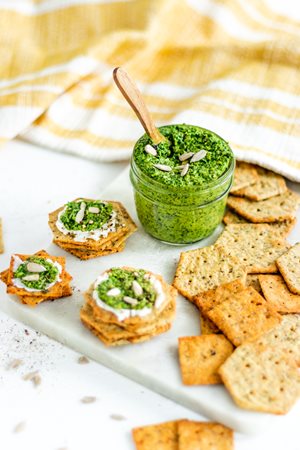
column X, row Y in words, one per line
column 253, row 281
column 278, row 294
column 244, row 175
column 1, row 238
column 274, row 209
column 209, row 299
column 289, row 267
column 207, row 326
column 201, row 356
column 206, row 268
column 244, row 316
column 163, row 436
column 204, row 436
column 232, row 217
column 269, row 184
column 259, row 378
column 256, row 245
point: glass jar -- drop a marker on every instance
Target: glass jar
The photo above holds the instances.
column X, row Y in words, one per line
column 180, row 214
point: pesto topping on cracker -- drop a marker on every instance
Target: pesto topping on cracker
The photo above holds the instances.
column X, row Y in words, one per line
column 127, row 289
column 86, row 215
column 39, row 280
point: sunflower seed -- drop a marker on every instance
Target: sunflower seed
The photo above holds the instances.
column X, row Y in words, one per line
column 151, row 150
column 88, row 399
column 34, row 377
column 113, row 292
column 34, row 267
column 179, row 167
column 198, row 156
column 185, row 170
column 91, row 221
column 131, row 301
column 186, row 156
column 94, row 209
column 137, row 288
column 163, row 167
column 80, row 215
column 117, row 417
column 33, row 277
column 83, row 360
column 14, row 364
column 19, row 427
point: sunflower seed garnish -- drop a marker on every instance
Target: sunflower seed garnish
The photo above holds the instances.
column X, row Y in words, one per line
column 137, row 288
column 35, row 267
column 186, row 156
column 151, row 150
column 94, row 209
column 179, row 167
column 80, row 215
column 163, row 167
column 131, row 301
column 113, row 292
column 33, row 277
column 185, row 170
column 198, row 156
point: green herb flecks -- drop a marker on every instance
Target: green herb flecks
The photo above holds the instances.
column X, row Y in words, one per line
column 91, row 221
column 122, row 279
column 45, row 278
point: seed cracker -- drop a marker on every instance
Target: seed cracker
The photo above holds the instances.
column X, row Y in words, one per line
column 200, row 358
column 206, row 268
column 204, row 436
column 289, row 267
column 274, row 209
column 207, row 326
column 209, row 299
column 163, row 436
column 244, row 316
column 278, row 295
column 244, row 175
column 1, row 238
column 256, row 245
column 269, row 184
column 253, row 281
column 260, row 378
column 232, row 217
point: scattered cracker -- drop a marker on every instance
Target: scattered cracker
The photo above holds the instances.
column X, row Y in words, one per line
column 204, row 436
column 14, row 364
column 83, row 360
column 19, row 427
column 244, row 175
column 244, row 316
column 207, row 326
column 200, row 358
column 209, row 299
column 206, row 268
column 163, row 436
column 117, row 417
column 269, row 184
column 88, row 399
column 289, row 267
column 253, row 281
column 261, row 379
column 274, row 209
column 278, row 295
column 1, row 238
column 256, row 245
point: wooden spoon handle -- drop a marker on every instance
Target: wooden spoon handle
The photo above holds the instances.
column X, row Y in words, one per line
column 136, row 101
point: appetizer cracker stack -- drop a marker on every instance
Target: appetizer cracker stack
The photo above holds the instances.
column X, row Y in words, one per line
column 90, row 228
column 36, row 278
column 242, row 285
column 126, row 305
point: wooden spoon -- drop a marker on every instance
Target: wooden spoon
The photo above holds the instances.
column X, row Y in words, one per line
column 136, row 101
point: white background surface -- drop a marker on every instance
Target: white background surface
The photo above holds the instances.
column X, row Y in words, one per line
column 33, row 179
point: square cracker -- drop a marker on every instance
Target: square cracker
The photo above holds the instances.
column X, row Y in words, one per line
column 260, row 378
column 206, row 268
column 256, row 245
column 209, row 299
column 1, row 238
column 278, row 295
column 244, row 316
column 269, row 184
column 244, row 175
column 253, row 281
column 207, row 326
column 200, row 358
column 204, row 436
column 163, row 436
column 289, row 267
column 274, row 209
column 232, row 217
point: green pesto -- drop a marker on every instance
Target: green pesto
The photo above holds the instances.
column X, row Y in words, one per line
column 178, row 209
column 45, row 278
column 98, row 219
column 122, row 279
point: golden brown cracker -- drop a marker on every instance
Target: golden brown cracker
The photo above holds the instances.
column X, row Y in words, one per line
column 204, row 436
column 232, row 217
column 253, row 281
column 207, row 326
column 245, row 174
column 278, row 294
column 209, row 299
column 200, row 358
column 163, row 436
column 289, row 267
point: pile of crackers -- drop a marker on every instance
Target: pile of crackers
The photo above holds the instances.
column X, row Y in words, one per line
column 60, row 289
column 183, row 435
column 247, row 288
column 112, row 331
column 114, row 242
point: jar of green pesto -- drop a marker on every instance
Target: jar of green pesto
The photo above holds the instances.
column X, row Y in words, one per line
column 181, row 185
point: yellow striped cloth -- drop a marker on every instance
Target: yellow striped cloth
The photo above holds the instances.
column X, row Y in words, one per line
column 227, row 65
